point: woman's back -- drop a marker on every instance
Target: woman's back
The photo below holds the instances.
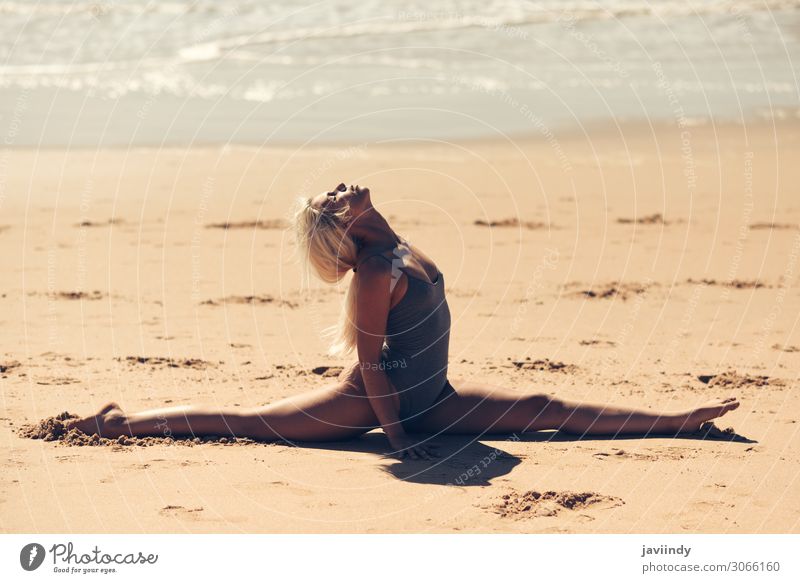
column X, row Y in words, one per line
column 417, row 336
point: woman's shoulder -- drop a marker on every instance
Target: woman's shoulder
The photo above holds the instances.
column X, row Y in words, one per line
column 373, row 274
column 376, row 257
column 374, row 282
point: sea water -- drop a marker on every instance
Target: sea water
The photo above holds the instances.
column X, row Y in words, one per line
column 181, row 72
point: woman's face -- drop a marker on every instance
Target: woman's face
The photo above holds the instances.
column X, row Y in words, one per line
column 354, row 197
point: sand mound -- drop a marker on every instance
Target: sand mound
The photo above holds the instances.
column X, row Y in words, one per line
column 105, row 223
column 654, row 219
column 733, row 380
column 530, row 225
column 595, row 342
column 770, row 226
column 252, row 300
column 177, row 511
column 78, row 295
column 49, row 429
column 551, row 503
column 622, row 291
column 786, row 348
column 9, row 365
column 544, row 364
column 621, row 454
column 327, row 371
column 734, row 283
column 155, row 361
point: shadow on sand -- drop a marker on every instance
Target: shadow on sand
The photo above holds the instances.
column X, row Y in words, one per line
column 465, row 461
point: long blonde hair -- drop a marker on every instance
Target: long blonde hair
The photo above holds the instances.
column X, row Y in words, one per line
column 326, row 245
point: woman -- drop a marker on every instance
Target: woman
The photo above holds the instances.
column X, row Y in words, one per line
column 398, row 322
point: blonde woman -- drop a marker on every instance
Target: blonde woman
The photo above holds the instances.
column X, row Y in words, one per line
column 397, row 321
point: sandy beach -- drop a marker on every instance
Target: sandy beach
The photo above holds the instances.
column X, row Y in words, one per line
column 645, row 265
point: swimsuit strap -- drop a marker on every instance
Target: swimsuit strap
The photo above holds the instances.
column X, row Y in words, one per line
column 376, row 254
column 380, row 253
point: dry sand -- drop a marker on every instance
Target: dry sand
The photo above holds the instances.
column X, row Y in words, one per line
column 639, row 266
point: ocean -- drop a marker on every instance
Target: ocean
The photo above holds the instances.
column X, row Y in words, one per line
column 175, row 73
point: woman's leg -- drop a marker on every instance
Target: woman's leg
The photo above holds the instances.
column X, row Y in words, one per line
column 341, row 411
column 477, row 408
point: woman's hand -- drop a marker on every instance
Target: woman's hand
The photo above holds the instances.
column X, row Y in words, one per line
column 405, row 447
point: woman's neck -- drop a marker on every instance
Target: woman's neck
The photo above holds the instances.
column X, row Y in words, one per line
column 377, row 233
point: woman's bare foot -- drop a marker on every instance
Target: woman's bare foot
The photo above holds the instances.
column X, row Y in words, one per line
column 109, row 422
column 691, row 421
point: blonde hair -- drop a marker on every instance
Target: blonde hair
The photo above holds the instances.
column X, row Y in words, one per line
column 323, row 239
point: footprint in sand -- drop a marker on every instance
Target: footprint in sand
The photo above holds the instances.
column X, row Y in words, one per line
column 773, row 226
column 161, row 361
column 57, row 381
column 260, row 224
column 621, row 454
column 533, row 504
column 622, row 291
column 654, row 219
column 613, row 454
column 77, row 295
column 182, row 512
column 782, row 348
column 261, row 300
column 327, row 371
column 106, row 223
column 594, row 342
column 733, row 283
column 513, row 222
column 464, row 293
column 545, row 365
column 67, row 458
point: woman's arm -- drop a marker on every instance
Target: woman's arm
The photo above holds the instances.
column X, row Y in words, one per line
column 372, row 311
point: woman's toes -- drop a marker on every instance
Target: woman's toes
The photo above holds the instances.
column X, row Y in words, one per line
column 106, row 423
column 730, row 404
column 88, row 425
column 108, row 407
column 725, row 405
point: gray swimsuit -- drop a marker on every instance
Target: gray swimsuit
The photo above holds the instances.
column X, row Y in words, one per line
column 417, row 339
